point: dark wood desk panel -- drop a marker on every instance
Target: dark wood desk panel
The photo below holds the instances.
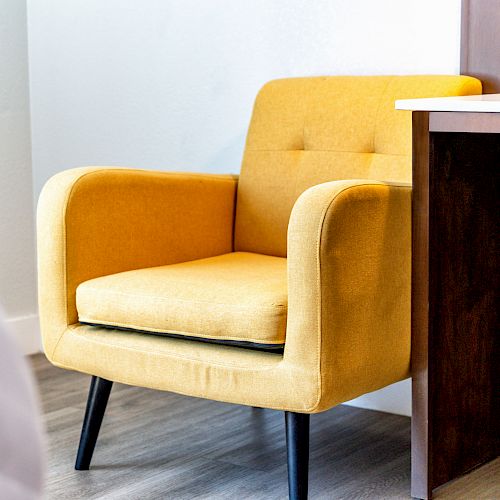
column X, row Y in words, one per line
column 455, row 286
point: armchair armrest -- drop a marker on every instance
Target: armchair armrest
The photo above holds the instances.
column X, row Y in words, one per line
column 97, row 221
column 349, row 258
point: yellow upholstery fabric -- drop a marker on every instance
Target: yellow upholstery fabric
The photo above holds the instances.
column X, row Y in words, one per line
column 237, row 296
column 348, row 265
column 320, row 335
column 349, row 286
column 305, row 131
column 98, row 221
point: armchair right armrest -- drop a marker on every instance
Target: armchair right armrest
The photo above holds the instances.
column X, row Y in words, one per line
column 349, row 262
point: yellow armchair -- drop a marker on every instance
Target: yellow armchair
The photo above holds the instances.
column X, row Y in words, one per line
column 288, row 288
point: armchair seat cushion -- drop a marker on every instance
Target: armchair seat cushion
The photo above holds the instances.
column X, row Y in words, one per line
column 238, row 298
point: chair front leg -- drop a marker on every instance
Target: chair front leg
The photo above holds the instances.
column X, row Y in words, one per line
column 297, row 447
column 94, row 413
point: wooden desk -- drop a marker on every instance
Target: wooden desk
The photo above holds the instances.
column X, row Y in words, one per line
column 455, row 284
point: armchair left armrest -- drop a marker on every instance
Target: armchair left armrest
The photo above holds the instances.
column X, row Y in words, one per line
column 98, row 221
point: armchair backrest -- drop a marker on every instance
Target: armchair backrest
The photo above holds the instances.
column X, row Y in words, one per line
column 305, row 131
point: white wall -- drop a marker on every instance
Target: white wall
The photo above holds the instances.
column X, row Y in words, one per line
column 169, row 84
column 17, row 259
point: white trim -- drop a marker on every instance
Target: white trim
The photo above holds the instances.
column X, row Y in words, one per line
column 484, row 103
column 395, row 398
column 25, row 331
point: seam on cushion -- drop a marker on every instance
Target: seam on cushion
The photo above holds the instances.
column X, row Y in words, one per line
column 175, row 332
column 319, row 302
column 164, row 299
column 319, row 311
column 165, row 173
column 178, row 356
column 381, row 96
column 324, row 151
column 318, row 280
column 235, row 206
column 64, row 259
column 391, row 154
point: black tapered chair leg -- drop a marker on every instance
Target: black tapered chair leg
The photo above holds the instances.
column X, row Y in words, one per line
column 94, row 413
column 297, row 448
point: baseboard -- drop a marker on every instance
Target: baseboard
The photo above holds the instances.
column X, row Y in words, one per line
column 26, row 333
column 395, row 398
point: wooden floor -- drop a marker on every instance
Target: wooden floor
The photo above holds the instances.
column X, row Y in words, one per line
column 156, row 445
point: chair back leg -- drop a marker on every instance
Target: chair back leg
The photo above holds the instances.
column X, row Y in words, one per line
column 94, row 413
column 297, row 447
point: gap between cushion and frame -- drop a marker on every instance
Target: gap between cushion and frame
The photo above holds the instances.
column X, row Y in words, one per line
column 273, row 348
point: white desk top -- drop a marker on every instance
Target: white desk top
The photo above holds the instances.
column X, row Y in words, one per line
column 486, row 103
